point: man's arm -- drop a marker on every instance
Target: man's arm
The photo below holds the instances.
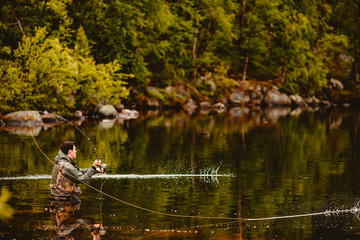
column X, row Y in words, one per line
column 78, row 175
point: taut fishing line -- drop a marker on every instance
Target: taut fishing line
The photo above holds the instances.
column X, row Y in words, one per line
column 354, row 210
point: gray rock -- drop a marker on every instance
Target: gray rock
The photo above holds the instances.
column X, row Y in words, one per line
column 336, row 84
column 239, row 98
column 205, row 105
column 23, row 118
column 298, row 101
column 274, row 99
column 152, row 103
column 219, row 106
column 169, row 89
column 50, row 118
column 78, row 115
column 190, row 106
column 107, row 111
column 127, row 114
column 120, row 107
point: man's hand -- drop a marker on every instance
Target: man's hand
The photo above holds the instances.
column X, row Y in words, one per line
column 97, row 164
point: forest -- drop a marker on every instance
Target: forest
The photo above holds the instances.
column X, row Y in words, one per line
column 63, row 55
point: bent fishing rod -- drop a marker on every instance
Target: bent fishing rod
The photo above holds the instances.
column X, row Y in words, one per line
column 76, row 127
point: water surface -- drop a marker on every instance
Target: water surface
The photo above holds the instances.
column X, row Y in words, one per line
column 238, row 164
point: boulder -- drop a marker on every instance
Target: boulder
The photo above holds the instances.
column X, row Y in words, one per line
column 127, row 114
column 190, row 106
column 154, row 104
column 205, row 105
column 219, row 106
column 107, row 111
column 298, row 101
column 78, row 115
column 23, row 118
column 335, row 84
column 276, row 99
column 50, row 118
column 238, row 98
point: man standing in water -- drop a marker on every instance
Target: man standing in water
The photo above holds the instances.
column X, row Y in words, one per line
column 66, row 176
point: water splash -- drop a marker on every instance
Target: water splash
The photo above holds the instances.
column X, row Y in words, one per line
column 115, row 176
column 354, row 210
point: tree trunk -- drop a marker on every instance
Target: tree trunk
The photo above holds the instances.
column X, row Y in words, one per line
column 243, row 18
column 194, row 51
column 356, row 64
column 245, row 67
column 284, row 72
column 269, row 40
column 16, row 19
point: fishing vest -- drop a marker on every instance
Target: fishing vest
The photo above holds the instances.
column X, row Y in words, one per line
column 65, row 184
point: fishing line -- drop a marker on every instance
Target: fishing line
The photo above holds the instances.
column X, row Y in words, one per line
column 354, row 210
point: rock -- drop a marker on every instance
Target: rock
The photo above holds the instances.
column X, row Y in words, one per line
column 219, row 106
column 336, row 84
column 50, row 118
column 107, row 111
column 152, row 103
column 325, row 103
column 237, row 98
column 78, row 115
column 23, row 118
column 276, row 99
column 127, row 114
column 120, row 107
column 169, row 89
column 205, row 105
column 190, row 106
column 298, row 101
column 345, row 57
column 213, row 85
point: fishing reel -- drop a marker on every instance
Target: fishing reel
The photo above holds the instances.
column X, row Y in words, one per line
column 102, row 168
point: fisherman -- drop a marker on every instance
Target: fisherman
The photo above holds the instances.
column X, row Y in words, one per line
column 66, row 176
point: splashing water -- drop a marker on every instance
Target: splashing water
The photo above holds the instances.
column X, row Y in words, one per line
column 118, row 176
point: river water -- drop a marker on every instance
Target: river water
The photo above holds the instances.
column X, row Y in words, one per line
column 269, row 174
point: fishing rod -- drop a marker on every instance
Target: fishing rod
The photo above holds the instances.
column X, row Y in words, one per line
column 77, row 128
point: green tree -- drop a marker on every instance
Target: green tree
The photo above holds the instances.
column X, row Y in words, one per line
column 47, row 75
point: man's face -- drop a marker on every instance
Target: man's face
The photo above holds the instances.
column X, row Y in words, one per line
column 72, row 153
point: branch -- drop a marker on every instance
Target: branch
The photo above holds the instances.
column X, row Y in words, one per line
column 17, row 20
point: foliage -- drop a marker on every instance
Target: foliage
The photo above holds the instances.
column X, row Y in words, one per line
column 93, row 46
column 6, row 211
column 47, row 75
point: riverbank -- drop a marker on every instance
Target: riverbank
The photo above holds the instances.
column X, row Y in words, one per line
column 244, row 95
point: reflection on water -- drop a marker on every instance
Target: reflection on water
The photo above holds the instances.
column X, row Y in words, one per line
column 66, row 220
column 246, row 164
